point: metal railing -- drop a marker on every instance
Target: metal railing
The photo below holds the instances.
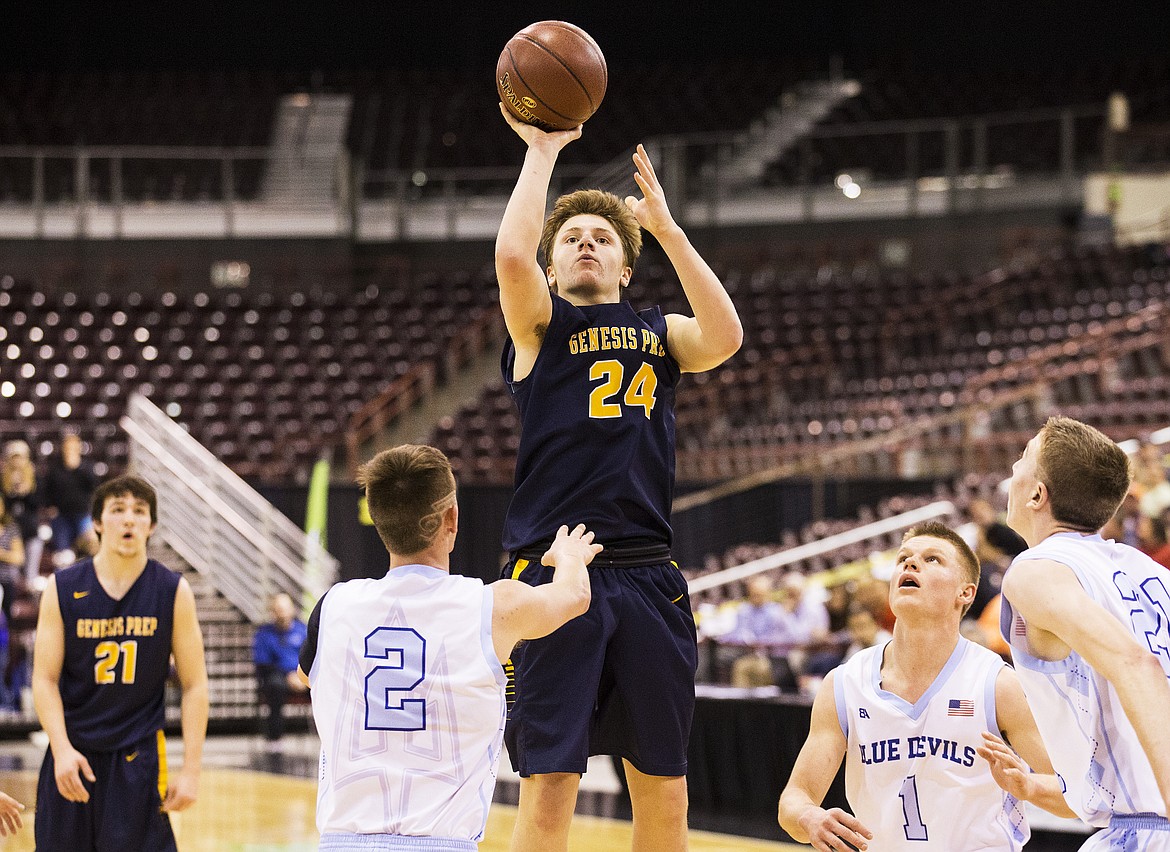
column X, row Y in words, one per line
column 218, row 523
column 866, row 532
column 943, row 166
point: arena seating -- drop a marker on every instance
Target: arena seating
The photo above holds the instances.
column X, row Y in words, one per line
column 833, row 359
column 899, row 93
column 451, row 120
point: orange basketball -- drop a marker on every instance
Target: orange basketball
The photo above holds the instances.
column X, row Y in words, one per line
column 551, row 74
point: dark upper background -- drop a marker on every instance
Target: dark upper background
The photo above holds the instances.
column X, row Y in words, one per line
column 336, row 34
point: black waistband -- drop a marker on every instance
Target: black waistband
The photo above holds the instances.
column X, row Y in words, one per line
column 619, row 556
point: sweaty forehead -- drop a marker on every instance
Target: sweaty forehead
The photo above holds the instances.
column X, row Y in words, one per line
column 586, row 222
column 923, row 544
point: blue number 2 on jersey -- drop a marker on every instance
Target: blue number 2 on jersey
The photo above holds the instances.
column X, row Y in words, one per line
column 1150, row 618
column 387, row 707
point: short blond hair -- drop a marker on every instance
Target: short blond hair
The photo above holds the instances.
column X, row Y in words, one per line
column 596, row 202
column 1087, row 475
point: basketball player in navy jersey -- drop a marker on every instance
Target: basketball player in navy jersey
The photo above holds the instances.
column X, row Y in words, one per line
column 910, row 719
column 595, row 381
column 106, row 632
column 410, row 748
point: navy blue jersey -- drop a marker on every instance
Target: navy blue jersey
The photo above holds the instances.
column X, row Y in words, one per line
column 117, row 656
column 597, row 428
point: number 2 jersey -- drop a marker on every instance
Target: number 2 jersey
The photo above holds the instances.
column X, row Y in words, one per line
column 911, row 772
column 597, row 428
column 1092, row 745
column 117, row 656
column 408, row 697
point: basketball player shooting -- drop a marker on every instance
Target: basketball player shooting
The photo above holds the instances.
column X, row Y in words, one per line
column 911, row 717
column 594, row 382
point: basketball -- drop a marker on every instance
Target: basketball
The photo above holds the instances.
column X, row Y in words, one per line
column 551, row 74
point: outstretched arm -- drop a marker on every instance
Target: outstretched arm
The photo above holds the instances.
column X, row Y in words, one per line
column 524, row 295
column 714, row 333
column 800, row 811
column 1063, row 616
column 1026, row 771
column 520, row 611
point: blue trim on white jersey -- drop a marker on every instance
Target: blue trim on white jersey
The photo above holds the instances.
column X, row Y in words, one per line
column 1109, row 750
column 839, row 698
column 346, row 842
column 989, row 701
column 919, row 707
column 420, row 570
column 1020, row 655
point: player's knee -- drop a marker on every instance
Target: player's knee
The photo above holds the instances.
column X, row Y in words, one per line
column 553, row 795
column 658, row 797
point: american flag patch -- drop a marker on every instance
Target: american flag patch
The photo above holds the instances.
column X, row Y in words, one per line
column 1020, row 628
column 960, row 707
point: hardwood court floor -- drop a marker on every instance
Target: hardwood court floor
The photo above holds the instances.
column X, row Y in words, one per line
column 246, row 811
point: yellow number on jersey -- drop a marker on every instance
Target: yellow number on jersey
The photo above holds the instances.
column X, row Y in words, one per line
column 610, row 374
column 640, row 392
column 107, row 654
column 642, row 388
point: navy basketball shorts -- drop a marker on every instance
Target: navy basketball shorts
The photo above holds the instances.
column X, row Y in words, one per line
column 618, row 680
column 124, row 810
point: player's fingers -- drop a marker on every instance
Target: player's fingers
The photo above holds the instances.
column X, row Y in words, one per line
column 646, row 158
column 579, row 531
column 631, row 202
column 87, row 772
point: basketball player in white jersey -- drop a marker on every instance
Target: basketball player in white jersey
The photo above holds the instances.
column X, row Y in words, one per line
column 406, row 675
column 908, row 717
column 1087, row 623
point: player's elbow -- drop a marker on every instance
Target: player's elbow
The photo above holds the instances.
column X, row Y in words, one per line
column 512, row 262
column 580, row 600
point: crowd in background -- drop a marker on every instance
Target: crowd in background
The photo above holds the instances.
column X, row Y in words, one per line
column 45, row 524
column 789, row 634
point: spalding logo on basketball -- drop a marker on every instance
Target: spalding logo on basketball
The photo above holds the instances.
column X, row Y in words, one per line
column 551, row 74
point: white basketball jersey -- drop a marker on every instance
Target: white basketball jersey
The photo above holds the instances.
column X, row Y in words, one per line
column 911, row 773
column 1093, row 747
column 408, row 697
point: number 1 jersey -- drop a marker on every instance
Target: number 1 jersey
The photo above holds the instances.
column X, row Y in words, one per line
column 117, row 656
column 911, row 772
column 597, row 427
column 408, row 697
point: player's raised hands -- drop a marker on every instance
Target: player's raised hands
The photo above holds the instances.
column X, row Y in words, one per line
column 577, row 544
column 651, row 209
column 834, row 830
column 1007, row 768
column 9, row 815
column 534, row 136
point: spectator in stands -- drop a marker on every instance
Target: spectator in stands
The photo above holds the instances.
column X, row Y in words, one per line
column 873, row 594
column 1152, row 537
column 996, row 544
column 1123, row 526
column 864, row 632
column 761, row 626
column 18, row 481
column 276, row 652
column 1149, row 480
column 69, row 487
column 11, row 560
